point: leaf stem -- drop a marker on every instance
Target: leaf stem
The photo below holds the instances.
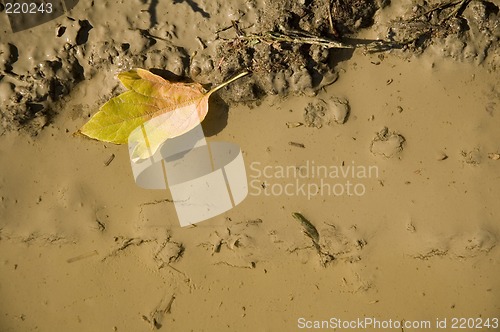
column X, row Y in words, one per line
column 231, row 80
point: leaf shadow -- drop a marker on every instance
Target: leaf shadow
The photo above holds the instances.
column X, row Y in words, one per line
column 153, row 13
column 169, row 76
column 195, row 7
column 217, row 116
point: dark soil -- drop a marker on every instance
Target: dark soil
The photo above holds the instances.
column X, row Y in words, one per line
column 467, row 30
column 281, row 68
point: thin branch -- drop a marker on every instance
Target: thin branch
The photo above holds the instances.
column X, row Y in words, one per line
column 440, row 6
column 296, row 37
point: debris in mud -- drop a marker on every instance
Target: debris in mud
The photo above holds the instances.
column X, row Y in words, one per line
column 28, row 98
column 168, row 252
column 494, row 156
column 463, row 246
column 387, row 144
column 109, row 160
column 309, row 228
column 234, row 246
column 430, row 254
column 122, row 243
column 31, row 92
column 334, row 244
column 288, row 49
column 157, row 316
column 463, row 29
column 312, row 233
column 348, row 16
column 227, row 239
column 472, row 157
column 480, row 242
column 441, row 156
column 321, row 112
column 410, row 227
column 297, row 145
column 82, row 256
column 294, row 124
column 344, row 244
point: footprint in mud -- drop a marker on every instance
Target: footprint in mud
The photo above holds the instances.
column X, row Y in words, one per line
column 326, row 112
column 331, row 243
column 387, row 144
column 471, row 157
column 471, row 245
column 168, row 252
column 467, row 245
column 234, row 246
column 343, row 244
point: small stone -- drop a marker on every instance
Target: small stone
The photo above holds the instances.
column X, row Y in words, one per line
column 494, row 156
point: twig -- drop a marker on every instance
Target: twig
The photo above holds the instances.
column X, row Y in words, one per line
column 298, row 145
column 110, row 159
column 82, row 256
column 303, row 37
column 457, row 9
column 293, row 37
column 440, row 6
column 431, row 28
column 330, row 19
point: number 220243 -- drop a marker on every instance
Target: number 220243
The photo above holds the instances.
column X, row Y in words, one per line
column 474, row 323
column 28, row 8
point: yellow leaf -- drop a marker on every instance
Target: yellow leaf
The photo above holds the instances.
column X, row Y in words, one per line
column 169, row 109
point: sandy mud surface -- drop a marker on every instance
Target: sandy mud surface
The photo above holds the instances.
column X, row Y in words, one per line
column 376, row 121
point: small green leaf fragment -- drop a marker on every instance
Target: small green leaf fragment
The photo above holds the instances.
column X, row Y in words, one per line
column 309, row 228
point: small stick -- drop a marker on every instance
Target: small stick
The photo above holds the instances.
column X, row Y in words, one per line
column 298, row 145
column 433, row 9
column 110, row 159
column 228, row 81
column 330, row 20
column 297, row 39
column 457, row 9
column 83, row 256
column 168, row 308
